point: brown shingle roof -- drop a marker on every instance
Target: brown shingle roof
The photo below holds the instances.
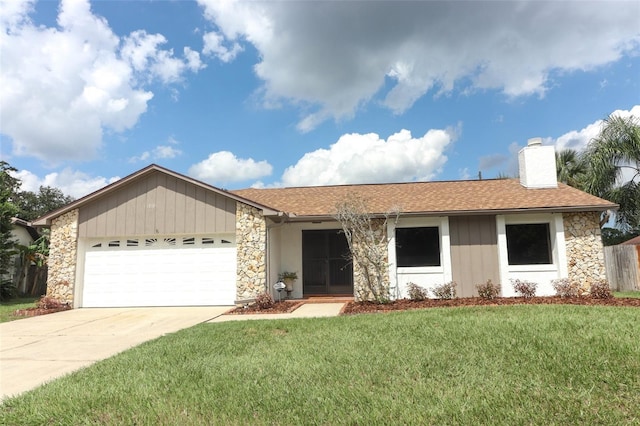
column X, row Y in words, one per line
column 452, row 197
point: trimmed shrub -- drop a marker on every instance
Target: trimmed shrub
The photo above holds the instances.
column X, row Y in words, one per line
column 415, row 292
column 445, row 291
column 488, row 290
column 524, row 288
column 566, row 288
column 264, row 301
column 600, row 290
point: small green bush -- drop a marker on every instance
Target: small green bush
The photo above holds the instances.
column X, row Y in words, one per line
column 445, row 291
column 7, row 290
column 488, row 290
column 564, row 287
column 264, row 300
column 415, row 292
column 524, row 288
column 600, row 290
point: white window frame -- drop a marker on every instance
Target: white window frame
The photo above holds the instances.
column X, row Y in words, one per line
column 538, row 273
column 437, row 274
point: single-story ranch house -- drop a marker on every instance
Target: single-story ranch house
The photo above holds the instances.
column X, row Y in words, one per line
column 158, row 238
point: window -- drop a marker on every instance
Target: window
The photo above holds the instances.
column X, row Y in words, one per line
column 529, row 244
column 418, row 246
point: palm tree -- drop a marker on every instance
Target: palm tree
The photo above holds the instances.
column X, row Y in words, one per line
column 613, row 173
column 571, row 168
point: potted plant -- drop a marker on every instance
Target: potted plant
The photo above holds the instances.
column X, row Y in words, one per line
column 288, row 278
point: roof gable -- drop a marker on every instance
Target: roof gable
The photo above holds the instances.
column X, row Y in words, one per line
column 140, row 175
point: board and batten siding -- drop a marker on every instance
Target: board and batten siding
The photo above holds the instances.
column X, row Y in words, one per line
column 158, row 204
column 474, row 252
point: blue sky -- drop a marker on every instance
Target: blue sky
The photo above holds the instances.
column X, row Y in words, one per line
column 294, row 93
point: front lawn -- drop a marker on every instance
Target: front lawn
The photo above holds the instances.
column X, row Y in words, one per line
column 475, row 365
column 7, row 308
column 634, row 294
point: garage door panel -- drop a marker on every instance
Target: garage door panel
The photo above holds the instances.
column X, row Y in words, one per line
column 176, row 276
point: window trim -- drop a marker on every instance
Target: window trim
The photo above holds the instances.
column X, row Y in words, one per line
column 431, row 275
column 556, row 233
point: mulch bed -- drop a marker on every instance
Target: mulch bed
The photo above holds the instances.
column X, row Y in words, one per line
column 283, row 307
column 32, row 312
column 405, row 304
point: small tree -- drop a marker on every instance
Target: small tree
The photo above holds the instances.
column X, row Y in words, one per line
column 367, row 238
column 8, row 189
column 33, row 205
column 36, row 253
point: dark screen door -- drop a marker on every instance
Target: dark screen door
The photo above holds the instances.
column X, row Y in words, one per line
column 326, row 267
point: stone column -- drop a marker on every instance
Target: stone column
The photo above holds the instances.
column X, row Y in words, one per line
column 251, row 237
column 585, row 253
column 62, row 257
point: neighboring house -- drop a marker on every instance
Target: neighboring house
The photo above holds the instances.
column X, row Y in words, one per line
column 159, row 238
column 23, row 234
column 632, row 242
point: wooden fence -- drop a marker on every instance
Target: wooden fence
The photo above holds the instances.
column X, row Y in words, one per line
column 623, row 267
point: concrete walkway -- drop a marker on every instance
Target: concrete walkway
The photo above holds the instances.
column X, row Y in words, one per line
column 39, row 349
column 308, row 310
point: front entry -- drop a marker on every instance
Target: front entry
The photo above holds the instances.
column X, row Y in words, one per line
column 326, row 267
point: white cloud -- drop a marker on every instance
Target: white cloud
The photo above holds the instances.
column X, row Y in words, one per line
column 464, row 173
column 14, row 12
column 63, row 86
column 214, row 45
column 224, row 167
column 579, row 139
column 193, row 61
column 160, row 152
column 166, row 151
column 357, row 158
column 336, row 56
column 74, row 183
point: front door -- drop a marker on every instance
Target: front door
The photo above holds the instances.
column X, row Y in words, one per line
column 326, row 267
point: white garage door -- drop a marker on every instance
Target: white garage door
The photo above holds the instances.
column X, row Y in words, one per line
column 160, row 271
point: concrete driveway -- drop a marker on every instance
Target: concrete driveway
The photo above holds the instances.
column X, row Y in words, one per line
column 36, row 350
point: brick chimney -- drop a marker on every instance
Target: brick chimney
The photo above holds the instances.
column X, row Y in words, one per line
column 537, row 165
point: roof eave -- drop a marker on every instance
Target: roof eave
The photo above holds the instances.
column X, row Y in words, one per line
column 291, row 217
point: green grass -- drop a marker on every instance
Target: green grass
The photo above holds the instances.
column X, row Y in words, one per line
column 482, row 365
column 634, row 294
column 7, row 308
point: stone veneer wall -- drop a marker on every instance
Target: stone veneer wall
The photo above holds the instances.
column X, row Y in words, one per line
column 360, row 286
column 62, row 257
column 251, row 237
column 585, row 253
